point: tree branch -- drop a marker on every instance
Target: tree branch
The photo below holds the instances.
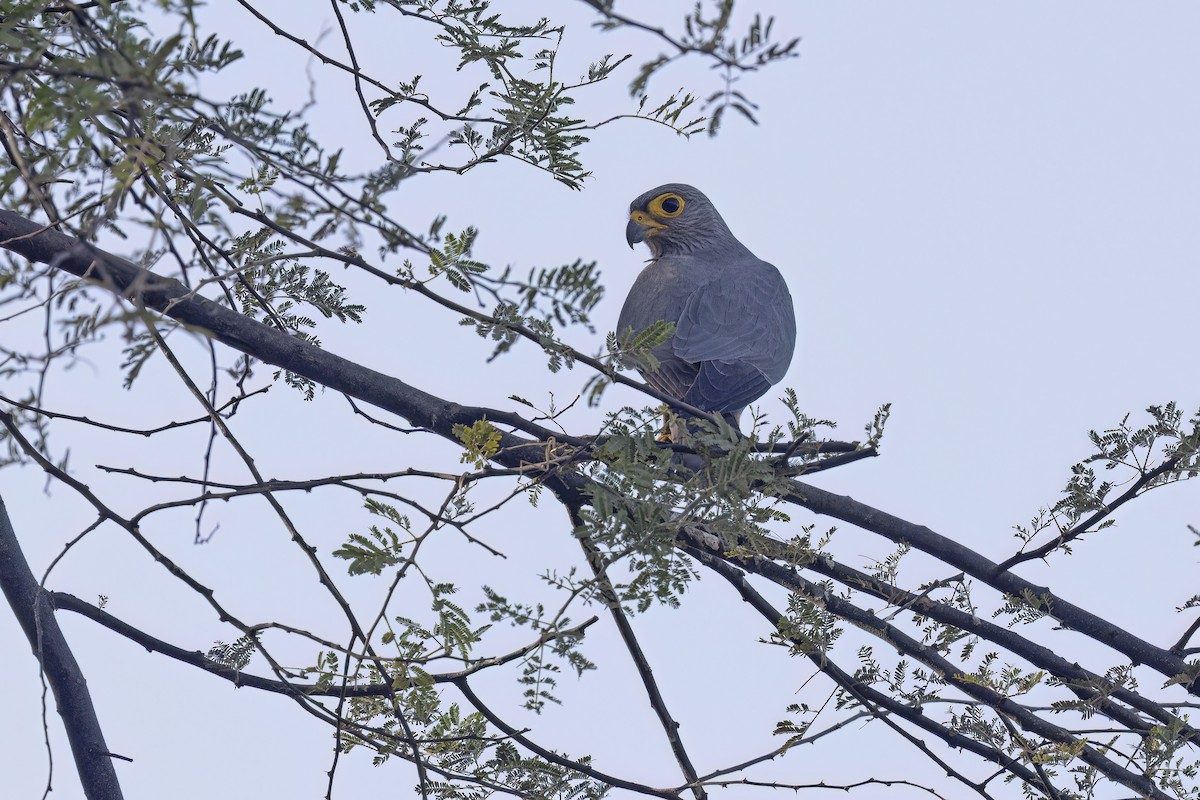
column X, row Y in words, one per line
column 847, row 509
column 555, row 758
column 195, row 658
column 1084, row 526
column 954, row 676
column 612, row 601
column 1087, row 685
column 33, row 611
column 866, row 695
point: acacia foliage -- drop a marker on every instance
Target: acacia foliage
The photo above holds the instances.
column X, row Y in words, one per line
column 234, row 219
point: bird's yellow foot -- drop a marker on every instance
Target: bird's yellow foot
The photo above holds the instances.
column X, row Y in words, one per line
column 664, row 436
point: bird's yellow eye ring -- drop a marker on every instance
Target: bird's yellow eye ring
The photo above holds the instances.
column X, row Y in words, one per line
column 666, row 205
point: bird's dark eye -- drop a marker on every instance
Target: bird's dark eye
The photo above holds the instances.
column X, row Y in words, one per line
column 667, row 205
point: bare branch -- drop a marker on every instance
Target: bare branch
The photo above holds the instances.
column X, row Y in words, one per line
column 35, row 614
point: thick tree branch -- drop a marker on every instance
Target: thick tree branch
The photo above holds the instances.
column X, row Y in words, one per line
column 170, row 297
column 33, row 611
column 1085, row 684
column 847, row 509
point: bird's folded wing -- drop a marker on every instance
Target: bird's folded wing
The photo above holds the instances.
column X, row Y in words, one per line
column 712, row 385
column 744, row 316
column 726, row 386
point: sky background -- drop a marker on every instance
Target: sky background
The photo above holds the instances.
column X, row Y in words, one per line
column 987, row 217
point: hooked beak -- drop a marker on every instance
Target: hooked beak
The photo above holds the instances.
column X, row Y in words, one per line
column 641, row 226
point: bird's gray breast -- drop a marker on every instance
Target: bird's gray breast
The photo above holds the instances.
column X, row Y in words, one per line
column 659, row 294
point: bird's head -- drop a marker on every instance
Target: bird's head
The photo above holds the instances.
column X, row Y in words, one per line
column 675, row 218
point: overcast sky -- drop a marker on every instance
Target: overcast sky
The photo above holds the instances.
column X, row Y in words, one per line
column 987, row 214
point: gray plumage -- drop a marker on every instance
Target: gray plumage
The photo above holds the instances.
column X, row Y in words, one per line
column 735, row 328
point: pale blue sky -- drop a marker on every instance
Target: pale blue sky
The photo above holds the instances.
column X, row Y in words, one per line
column 987, row 215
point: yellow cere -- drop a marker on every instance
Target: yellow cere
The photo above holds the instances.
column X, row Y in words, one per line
column 646, row 221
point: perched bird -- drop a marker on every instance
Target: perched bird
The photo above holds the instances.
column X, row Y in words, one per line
column 735, row 328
